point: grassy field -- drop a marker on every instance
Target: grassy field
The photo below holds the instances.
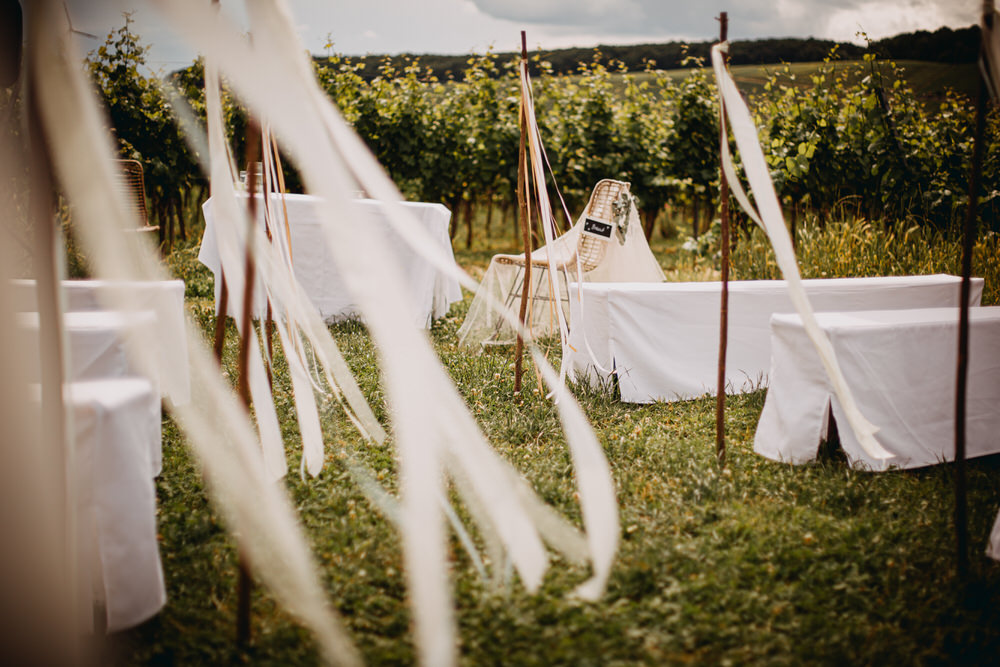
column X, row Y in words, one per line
column 759, row 563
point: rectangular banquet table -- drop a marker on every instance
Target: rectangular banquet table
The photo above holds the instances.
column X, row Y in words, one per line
column 662, row 339
column 900, row 366
column 431, row 293
column 165, row 298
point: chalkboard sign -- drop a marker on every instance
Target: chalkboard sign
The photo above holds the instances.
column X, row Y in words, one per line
column 597, row 228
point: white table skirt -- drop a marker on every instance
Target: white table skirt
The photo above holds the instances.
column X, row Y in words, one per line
column 663, row 338
column 164, row 298
column 117, row 425
column 901, row 367
column 431, row 292
column 95, row 342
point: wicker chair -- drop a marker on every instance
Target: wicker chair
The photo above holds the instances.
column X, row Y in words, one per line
column 590, row 249
column 132, row 187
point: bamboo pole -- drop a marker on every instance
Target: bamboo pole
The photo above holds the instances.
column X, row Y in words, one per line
column 522, row 206
column 720, row 397
column 961, row 382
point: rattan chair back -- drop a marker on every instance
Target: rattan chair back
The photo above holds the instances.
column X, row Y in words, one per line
column 590, row 249
column 132, row 186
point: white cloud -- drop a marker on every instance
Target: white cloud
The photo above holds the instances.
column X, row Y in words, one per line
column 565, row 12
column 748, row 18
column 878, row 20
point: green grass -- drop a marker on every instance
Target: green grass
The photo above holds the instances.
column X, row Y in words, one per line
column 759, row 563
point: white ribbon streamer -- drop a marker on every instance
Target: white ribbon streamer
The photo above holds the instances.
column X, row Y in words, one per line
column 990, row 69
column 772, row 220
column 433, row 425
column 216, row 425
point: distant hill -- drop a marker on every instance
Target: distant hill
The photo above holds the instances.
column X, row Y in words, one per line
column 941, row 46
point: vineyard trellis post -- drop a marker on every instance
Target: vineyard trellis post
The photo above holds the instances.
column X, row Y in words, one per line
column 245, row 581
column 720, row 397
column 244, row 584
column 522, row 212
column 968, row 243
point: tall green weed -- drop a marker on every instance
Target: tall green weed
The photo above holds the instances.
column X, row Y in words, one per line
column 860, row 247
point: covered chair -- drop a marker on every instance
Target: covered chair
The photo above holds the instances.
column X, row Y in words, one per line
column 605, row 245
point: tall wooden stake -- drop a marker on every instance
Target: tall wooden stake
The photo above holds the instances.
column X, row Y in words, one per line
column 245, row 585
column 220, row 318
column 720, row 397
column 244, row 580
column 961, row 519
column 522, row 212
column 222, row 312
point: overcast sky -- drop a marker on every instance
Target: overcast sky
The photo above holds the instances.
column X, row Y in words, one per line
column 359, row 27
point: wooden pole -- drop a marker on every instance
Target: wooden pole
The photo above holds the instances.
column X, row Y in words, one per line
column 245, row 583
column 223, row 305
column 961, row 383
column 522, row 211
column 720, row 397
column 220, row 318
column 267, row 143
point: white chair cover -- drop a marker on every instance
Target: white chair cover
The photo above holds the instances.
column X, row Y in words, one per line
column 631, row 261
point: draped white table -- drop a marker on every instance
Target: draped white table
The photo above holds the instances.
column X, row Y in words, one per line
column 116, row 420
column 95, row 342
column 900, row 366
column 662, row 339
column 431, row 293
column 116, row 426
column 164, row 298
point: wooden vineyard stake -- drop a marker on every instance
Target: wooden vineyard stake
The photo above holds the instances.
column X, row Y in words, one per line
column 961, row 382
column 720, row 397
column 220, row 317
column 222, row 309
column 522, row 212
column 245, row 583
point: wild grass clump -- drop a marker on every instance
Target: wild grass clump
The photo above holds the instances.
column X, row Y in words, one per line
column 860, row 247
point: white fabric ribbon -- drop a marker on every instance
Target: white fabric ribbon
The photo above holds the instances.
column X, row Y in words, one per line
column 990, row 69
column 435, row 432
column 771, row 219
column 216, row 424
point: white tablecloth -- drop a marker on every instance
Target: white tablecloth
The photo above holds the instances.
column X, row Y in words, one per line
column 117, row 426
column 900, row 365
column 663, row 338
column 95, row 342
column 431, row 292
column 164, row 298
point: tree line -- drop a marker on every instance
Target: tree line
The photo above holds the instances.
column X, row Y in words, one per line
column 944, row 45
